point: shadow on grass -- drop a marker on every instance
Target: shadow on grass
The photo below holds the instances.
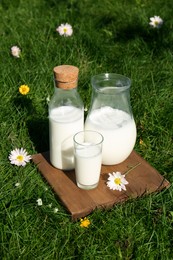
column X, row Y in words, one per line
column 39, row 133
column 136, row 32
column 23, row 103
column 38, row 128
column 7, row 4
column 153, row 37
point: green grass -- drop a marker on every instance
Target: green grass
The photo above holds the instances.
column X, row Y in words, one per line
column 109, row 36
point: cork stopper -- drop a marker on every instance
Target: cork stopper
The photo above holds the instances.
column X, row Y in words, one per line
column 66, row 76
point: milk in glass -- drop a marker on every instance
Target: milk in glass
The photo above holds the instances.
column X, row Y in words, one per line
column 87, row 165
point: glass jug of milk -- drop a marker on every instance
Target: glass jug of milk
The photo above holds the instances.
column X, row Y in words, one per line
column 110, row 114
column 66, row 116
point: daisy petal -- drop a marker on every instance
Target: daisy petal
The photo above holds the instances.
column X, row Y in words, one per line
column 15, row 51
column 65, row 30
column 156, row 21
column 116, row 181
column 19, row 157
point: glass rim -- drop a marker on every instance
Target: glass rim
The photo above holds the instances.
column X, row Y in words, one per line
column 125, row 81
column 89, row 131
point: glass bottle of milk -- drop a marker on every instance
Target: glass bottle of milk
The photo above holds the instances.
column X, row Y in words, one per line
column 110, row 114
column 66, row 116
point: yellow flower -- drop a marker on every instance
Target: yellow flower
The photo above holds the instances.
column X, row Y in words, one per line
column 141, row 142
column 84, row 222
column 24, row 89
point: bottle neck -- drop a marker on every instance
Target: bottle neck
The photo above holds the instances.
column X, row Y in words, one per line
column 65, row 97
column 64, row 91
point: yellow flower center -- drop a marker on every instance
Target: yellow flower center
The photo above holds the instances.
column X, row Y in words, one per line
column 85, row 222
column 65, row 30
column 117, row 181
column 20, row 158
column 24, row 89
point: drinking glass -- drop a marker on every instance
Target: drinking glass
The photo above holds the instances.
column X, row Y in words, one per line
column 88, row 158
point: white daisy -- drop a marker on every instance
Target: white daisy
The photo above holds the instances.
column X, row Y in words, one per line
column 39, row 202
column 50, row 205
column 156, row 21
column 65, row 29
column 19, row 157
column 48, row 99
column 55, row 210
column 15, row 51
column 116, row 181
column 17, row 184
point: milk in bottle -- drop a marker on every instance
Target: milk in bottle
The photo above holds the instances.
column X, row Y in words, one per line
column 66, row 117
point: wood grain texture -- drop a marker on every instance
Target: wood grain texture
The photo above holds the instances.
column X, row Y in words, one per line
column 142, row 177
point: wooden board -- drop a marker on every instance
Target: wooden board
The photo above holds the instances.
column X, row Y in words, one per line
column 143, row 179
